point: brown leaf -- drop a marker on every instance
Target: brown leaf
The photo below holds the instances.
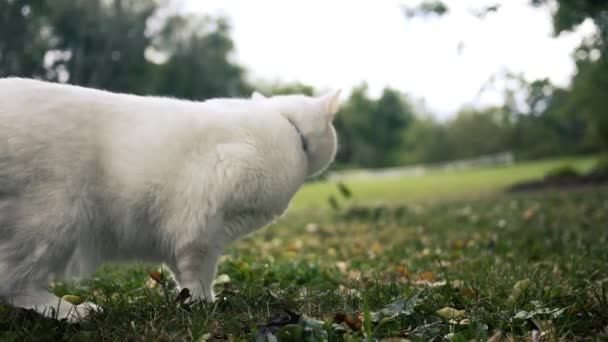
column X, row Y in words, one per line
column 157, row 276
column 342, row 266
column 459, row 244
column 354, row 323
column 377, row 247
column 468, row 292
column 402, row 270
column 428, row 276
column 295, row 246
column 528, row 214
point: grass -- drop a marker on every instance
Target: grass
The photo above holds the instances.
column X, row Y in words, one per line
column 460, row 269
column 435, row 184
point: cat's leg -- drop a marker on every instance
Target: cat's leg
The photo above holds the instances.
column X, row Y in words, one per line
column 38, row 238
column 83, row 262
column 196, row 269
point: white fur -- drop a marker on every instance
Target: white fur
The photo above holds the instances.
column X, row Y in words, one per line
column 88, row 176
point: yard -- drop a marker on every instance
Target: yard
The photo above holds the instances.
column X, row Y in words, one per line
column 445, row 256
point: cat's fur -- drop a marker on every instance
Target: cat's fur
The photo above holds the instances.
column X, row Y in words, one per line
column 88, row 176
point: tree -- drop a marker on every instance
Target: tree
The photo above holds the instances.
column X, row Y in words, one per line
column 24, row 38
column 107, row 44
column 478, row 132
column 571, row 13
column 426, row 141
column 371, row 131
column 199, row 64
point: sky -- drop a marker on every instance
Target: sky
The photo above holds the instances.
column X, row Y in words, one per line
column 443, row 61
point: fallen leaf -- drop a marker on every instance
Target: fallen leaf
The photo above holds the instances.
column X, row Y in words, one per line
column 528, row 214
column 431, row 283
column 402, row 270
column 295, row 246
column 459, row 244
column 157, row 276
column 468, row 292
column 428, row 276
column 354, row 323
column 450, row 313
column 342, row 266
column 222, row 279
column 377, row 247
column 73, row 299
column 354, row 274
column 312, row 228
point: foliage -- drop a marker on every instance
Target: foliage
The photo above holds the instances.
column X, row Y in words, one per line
column 571, row 13
column 561, row 172
column 119, row 45
column 371, row 131
column 426, row 8
column 602, row 165
column 146, row 47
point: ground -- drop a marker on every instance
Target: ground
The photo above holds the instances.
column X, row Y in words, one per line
column 491, row 266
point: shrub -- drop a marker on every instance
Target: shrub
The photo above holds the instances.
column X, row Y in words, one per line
column 561, row 172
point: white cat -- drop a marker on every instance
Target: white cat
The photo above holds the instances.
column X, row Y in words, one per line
column 88, row 176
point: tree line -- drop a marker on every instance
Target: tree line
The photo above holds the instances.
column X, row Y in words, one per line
column 143, row 47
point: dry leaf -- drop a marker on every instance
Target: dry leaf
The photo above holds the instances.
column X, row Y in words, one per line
column 354, row 323
column 450, row 313
column 377, row 247
column 222, row 279
column 342, row 266
column 157, row 276
column 354, row 274
column 402, row 270
column 312, row 228
column 459, row 244
column 428, row 276
column 528, row 214
column 295, row 246
column 468, row 292
column 73, row 299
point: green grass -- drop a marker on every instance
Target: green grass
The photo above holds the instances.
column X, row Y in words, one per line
column 435, row 184
column 506, row 264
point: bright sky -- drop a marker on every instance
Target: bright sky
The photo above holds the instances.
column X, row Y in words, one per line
column 342, row 43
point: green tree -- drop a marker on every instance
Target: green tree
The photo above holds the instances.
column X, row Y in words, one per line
column 371, row 131
column 199, row 64
column 474, row 133
column 426, row 141
column 24, row 38
column 107, row 44
column 571, row 13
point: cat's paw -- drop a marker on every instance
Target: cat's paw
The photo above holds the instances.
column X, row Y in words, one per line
column 75, row 313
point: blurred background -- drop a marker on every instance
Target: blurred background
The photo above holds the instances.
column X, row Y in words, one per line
column 428, row 85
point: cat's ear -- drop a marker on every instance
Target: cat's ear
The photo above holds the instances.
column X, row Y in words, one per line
column 331, row 103
column 257, row 96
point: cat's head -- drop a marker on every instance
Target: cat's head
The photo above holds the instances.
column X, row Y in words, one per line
column 313, row 117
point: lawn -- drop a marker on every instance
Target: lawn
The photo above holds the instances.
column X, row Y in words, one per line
column 499, row 266
column 435, row 184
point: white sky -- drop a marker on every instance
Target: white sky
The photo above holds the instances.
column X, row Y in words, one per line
column 341, row 43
